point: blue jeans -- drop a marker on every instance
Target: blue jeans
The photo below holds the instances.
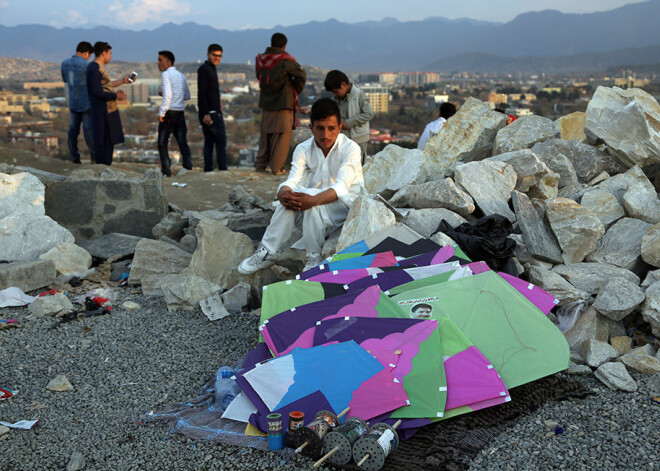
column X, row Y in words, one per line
column 76, row 119
column 174, row 123
column 215, row 136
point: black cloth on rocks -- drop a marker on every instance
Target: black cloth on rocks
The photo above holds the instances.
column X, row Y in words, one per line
column 486, row 240
column 401, row 249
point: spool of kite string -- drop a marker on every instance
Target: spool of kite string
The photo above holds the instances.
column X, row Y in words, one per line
column 371, row 450
column 296, row 421
column 309, row 438
column 275, row 432
column 338, row 443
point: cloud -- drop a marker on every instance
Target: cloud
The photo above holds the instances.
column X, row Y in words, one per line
column 76, row 18
column 4, row 3
column 140, row 11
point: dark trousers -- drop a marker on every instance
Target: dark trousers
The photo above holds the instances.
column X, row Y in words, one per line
column 76, row 118
column 215, row 137
column 103, row 154
column 174, row 123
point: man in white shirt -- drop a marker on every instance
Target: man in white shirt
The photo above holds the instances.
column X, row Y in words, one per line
column 325, row 179
column 170, row 114
column 447, row 110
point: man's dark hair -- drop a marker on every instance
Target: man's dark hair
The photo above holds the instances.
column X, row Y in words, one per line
column 167, row 55
column 334, row 79
column 420, row 306
column 100, row 47
column 324, row 108
column 212, row 48
column 447, row 110
column 278, row 40
column 84, row 46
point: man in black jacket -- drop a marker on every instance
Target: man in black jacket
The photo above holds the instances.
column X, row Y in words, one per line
column 210, row 111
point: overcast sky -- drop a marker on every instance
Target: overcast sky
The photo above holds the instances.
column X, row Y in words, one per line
column 236, row 14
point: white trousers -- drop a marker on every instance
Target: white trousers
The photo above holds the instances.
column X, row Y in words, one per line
column 315, row 223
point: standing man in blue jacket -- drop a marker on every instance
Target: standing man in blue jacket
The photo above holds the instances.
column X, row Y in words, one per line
column 74, row 72
column 210, row 111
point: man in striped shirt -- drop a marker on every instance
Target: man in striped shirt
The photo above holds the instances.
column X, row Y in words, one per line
column 170, row 115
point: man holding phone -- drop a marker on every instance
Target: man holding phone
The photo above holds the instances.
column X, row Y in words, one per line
column 210, row 111
column 170, row 115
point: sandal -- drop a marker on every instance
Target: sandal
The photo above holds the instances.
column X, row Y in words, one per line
column 281, row 172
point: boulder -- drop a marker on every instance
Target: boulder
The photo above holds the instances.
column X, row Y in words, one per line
column 641, row 202
column 219, row 252
column 571, row 126
column 615, row 376
column 243, row 201
column 650, row 248
column 574, row 369
column 596, row 353
column 577, row 229
column 622, row 343
column 366, row 216
column 27, row 276
column 651, row 308
column 50, row 305
column 651, row 277
column 619, row 184
column 68, row 258
column 592, row 277
column 556, row 285
column 627, row 121
column 590, row 325
column 185, row 290
column 21, row 194
column 528, row 167
column 539, row 240
column 237, row 298
column 618, row 298
column 113, row 203
column 469, row 135
column 490, row 184
column 171, row 226
column 393, row 168
column 27, row 237
column 604, row 205
column 646, row 349
column 645, row 364
column 426, row 221
column 552, row 153
column 153, row 261
column 621, row 245
column 546, row 187
column 523, row 133
column 436, row 194
column 109, row 246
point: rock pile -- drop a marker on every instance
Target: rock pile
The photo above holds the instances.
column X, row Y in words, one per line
column 582, row 194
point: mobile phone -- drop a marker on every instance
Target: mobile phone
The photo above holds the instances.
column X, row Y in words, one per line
column 132, row 77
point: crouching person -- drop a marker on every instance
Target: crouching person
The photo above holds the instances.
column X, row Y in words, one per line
column 325, row 178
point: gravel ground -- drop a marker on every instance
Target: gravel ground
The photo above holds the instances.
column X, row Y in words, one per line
column 130, row 362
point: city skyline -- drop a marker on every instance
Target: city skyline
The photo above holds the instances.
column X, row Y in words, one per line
column 223, row 14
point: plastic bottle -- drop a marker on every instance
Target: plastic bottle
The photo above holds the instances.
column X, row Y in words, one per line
column 226, row 388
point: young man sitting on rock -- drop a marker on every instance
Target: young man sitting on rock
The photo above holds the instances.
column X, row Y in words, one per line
column 325, row 178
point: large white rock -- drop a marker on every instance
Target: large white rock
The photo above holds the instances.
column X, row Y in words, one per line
column 435, row 194
column 641, row 202
column 571, row 126
column 651, row 307
column 68, row 258
column 185, row 290
column 393, row 168
column 365, row 217
column 618, row 299
column 26, row 237
column 426, row 221
column 577, row 229
column 645, row 364
column 604, row 205
column 50, row 305
column 153, row 261
column 551, row 152
column 627, row 121
column 556, row 285
column 490, row 184
column 529, row 168
column 597, row 353
column 469, row 135
column 592, row 277
column 615, row 376
column 622, row 244
column 620, row 184
column 523, row 133
column 21, row 193
column 590, row 325
column 651, row 246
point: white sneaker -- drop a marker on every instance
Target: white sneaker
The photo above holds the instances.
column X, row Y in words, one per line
column 313, row 260
column 258, row 261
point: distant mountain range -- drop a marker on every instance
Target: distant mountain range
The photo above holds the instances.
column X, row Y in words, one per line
column 539, row 41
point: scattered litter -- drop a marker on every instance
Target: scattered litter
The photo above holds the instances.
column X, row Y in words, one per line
column 52, row 292
column 96, row 306
column 21, row 424
column 213, row 307
column 7, row 393
column 14, row 296
column 130, row 306
column 180, row 185
column 9, row 323
column 559, row 430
